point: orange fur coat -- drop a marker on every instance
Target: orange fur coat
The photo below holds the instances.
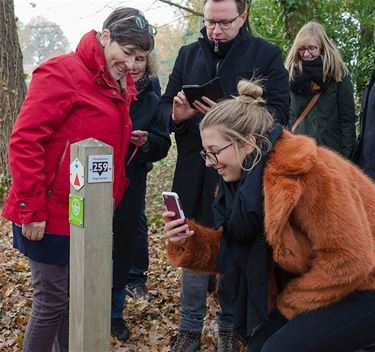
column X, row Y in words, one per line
column 319, row 222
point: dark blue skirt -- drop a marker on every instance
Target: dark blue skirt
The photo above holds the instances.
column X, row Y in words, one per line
column 52, row 249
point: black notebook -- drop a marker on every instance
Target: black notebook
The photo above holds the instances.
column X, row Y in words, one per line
column 212, row 90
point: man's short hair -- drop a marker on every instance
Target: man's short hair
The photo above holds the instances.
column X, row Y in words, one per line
column 241, row 4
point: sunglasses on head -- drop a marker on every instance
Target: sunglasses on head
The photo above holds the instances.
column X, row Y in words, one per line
column 140, row 22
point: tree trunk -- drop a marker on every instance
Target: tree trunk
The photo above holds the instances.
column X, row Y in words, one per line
column 366, row 49
column 12, row 83
column 296, row 14
column 248, row 8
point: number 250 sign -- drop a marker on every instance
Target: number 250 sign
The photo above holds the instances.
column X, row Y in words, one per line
column 100, row 168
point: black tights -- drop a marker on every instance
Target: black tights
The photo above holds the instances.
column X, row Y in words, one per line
column 346, row 326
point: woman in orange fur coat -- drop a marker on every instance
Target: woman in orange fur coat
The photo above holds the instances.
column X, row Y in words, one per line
column 295, row 233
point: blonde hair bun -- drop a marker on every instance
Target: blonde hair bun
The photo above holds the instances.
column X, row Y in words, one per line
column 249, row 91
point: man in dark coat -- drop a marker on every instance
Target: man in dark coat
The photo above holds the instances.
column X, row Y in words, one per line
column 228, row 51
column 364, row 154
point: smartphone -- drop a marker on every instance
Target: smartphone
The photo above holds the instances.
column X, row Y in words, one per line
column 212, row 89
column 172, row 203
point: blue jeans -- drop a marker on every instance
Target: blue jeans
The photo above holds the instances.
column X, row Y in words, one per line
column 118, row 303
column 193, row 302
column 345, row 326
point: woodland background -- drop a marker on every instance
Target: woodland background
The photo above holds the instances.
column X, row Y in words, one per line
column 350, row 23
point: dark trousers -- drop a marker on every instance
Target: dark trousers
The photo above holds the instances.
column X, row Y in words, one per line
column 48, row 326
column 138, row 270
column 125, row 232
column 346, row 326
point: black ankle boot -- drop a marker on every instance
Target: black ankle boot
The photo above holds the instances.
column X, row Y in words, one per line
column 120, row 329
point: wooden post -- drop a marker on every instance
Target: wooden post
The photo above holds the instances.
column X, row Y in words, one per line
column 90, row 246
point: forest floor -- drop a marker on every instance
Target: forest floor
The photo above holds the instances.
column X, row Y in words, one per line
column 153, row 323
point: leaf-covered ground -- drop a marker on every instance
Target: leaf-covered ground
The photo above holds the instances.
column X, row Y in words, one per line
column 153, row 323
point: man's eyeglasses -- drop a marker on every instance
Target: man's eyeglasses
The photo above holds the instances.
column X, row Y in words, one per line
column 140, row 22
column 212, row 156
column 311, row 49
column 224, row 24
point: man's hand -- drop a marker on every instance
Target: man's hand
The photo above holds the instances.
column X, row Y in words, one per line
column 34, row 231
column 181, row 108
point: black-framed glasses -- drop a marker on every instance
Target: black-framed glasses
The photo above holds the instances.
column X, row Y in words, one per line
column 140, row 22
column 311, row 49
column 212, row 156
column 224, row 24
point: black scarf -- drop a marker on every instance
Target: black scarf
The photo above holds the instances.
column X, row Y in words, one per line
column 243, row 251
column 142, row 83
column 310, row 80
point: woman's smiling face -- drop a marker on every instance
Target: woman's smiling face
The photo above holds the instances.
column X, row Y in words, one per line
column 119, row 58
column 229, row 161
column 139, row 67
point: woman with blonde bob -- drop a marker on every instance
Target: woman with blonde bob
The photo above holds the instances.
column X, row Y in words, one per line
column 317, row 71
column 295, row 233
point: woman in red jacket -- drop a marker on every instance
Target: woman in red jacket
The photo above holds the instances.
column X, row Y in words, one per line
column 296, row 233
column 72, row 97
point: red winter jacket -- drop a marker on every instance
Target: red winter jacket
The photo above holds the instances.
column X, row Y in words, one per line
column 70, row 98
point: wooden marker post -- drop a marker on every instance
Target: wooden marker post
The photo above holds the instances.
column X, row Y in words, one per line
column 90, row 216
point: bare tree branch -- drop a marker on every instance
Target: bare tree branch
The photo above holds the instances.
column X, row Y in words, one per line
column 192, row 11
column 196, row 13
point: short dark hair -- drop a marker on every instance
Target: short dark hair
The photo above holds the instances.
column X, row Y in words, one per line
column 241, row 4
column 127, row 32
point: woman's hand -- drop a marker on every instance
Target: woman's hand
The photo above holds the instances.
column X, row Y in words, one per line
column 177, row 231
column 181, row 108
column 34, row 231
column 141, row 135
column 206, row 107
